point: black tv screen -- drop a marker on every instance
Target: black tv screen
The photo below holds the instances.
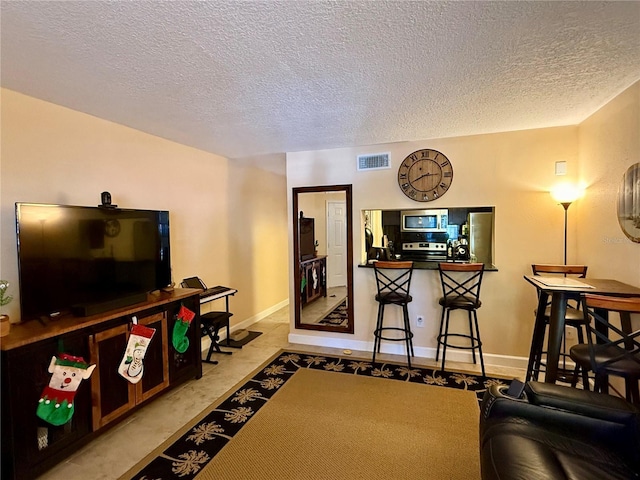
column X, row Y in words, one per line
column 307, row 238
column 73, row 257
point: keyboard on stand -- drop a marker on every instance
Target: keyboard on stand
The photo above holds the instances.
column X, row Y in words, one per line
column 214, row 293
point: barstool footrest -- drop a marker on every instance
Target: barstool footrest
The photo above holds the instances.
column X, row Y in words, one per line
column 408, row 334
column 475, row 342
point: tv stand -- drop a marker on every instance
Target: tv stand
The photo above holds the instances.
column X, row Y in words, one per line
column 31, row 446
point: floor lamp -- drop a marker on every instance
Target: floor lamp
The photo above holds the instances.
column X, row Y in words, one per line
column 565, row 195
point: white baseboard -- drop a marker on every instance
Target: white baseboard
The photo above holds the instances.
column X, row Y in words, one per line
column 399, row 349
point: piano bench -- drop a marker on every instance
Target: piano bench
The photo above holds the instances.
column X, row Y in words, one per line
column 211, row 324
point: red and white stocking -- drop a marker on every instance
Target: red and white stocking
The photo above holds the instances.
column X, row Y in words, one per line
column 131, row 366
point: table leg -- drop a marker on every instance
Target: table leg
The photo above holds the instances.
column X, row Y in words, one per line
column 556, row 330
column 603, row 333
column 537, row 338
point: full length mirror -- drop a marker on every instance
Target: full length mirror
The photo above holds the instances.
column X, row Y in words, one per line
column 323, row 254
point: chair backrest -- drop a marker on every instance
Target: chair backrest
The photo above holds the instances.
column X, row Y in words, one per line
column 622, row 344
column 579, row 270
column 461, row 281
column 393, row 280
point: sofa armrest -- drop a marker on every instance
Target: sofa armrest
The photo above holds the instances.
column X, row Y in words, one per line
column 559, row 404
column 582, row 402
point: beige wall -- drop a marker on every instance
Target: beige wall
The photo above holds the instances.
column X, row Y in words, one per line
column 514, row 172
column 51, row 154
column 229, row 220
column 511, row 171
column 609, row 143
column 258, row 251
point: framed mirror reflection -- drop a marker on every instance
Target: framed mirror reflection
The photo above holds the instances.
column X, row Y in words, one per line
column 323, row 258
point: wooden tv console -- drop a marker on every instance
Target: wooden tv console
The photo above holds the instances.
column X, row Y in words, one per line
column 31, row 446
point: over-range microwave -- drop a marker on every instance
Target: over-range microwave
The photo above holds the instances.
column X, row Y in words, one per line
column 424, row 220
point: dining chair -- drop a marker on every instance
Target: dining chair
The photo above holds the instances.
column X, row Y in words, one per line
column 461, row 291
column 393, row 282
column 610, row 350
column 573, row 317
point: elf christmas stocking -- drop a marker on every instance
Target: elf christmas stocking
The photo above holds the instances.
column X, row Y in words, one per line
column 179, row 339
column 131, row 366
column 56, row 402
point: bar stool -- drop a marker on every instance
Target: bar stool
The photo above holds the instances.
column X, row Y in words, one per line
column 606, row 354
column 461, row 291
column 573, row 318
column 393, row 280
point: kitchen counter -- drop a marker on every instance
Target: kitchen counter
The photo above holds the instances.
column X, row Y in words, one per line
column 417, row 265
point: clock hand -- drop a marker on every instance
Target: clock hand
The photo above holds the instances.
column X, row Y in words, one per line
column 426, row 175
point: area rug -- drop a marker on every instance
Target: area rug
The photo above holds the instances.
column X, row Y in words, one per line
column 304, row 416
column 338, row 317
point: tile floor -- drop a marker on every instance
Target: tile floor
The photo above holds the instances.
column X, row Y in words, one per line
column 321, row 307
column 114, row 452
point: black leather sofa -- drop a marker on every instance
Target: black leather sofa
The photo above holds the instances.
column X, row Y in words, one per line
column 552, row 432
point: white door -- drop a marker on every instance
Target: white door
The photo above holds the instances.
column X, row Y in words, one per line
column 336, row 244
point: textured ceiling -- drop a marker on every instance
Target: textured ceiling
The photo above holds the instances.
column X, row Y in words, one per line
column 249, row 78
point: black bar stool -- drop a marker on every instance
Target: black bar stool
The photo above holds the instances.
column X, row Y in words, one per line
column 606, row 354
column 461, row 291
column 393, row 280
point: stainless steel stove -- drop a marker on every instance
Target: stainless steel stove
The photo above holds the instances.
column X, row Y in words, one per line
column 426, row 251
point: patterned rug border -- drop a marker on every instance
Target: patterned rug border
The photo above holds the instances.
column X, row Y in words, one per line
column 185, row 453
column 339, row 312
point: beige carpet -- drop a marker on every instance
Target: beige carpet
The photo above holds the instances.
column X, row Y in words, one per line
column 324, row 425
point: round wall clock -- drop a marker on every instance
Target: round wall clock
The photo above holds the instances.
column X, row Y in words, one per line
column 425, row 175
column 112, row 228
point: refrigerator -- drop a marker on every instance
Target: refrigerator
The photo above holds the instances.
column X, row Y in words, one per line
column 481, row 237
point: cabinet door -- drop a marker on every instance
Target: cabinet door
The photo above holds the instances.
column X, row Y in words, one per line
column 155, row 377
column 315, row 280
column 111, row 394
column 312, row 292
column 29, row 444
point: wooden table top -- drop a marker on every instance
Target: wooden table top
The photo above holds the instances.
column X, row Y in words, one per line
column 598, row 285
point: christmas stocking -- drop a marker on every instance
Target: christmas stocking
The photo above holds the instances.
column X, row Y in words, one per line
column 179, row 339
column 56, row 402
column 131, row 366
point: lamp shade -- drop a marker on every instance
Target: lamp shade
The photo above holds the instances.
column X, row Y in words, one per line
column 566, row 193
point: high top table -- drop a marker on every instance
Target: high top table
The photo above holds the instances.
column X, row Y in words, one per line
column 559, row 295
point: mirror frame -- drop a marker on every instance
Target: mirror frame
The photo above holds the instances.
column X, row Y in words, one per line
column 296, row 257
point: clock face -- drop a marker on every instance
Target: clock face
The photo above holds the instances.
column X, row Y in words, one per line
column 112, row 228
column 425, row 175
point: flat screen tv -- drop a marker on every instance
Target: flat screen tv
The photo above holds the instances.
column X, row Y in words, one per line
column 88, row 260
column 307, row 238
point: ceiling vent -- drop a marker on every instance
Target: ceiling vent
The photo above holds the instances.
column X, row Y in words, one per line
column 374, row 161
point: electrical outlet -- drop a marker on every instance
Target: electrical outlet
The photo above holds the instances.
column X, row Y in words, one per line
column 419, row 321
